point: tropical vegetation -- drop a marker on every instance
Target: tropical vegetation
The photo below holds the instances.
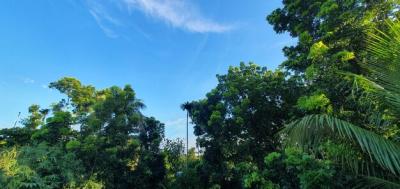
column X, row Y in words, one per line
column 328, row 117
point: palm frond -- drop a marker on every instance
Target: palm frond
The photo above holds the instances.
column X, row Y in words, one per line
column 312, row 130
column 384, row 66
column 375, row 182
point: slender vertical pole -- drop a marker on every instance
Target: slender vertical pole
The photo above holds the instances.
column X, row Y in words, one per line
column 15, row 123
column 187, row 137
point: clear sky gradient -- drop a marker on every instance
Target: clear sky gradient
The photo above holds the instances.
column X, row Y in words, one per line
column 169, row 51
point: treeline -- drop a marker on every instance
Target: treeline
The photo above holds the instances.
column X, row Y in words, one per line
column 328, row 117
column 115, row 145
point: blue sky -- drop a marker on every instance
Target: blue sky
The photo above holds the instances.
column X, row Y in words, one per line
column 169, row 51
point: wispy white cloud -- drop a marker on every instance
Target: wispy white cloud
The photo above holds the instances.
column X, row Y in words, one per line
column 178, row 13
column 27, row 80
column 103, row 19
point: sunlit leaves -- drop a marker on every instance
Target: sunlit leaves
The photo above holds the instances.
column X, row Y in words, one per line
column 345, row 56
column 82, row 97
column 8, row 162
column 318, row 50
column 315, row 102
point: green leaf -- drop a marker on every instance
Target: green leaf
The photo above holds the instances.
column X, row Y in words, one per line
column 312, row 130
column 317, row 50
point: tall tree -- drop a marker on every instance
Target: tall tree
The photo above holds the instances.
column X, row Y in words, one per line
column 383, row 80
column 238, row 119
column 331, row 39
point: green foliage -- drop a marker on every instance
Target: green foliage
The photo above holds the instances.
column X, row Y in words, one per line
column 36, row 117
column 327, row 8
column 8, row 162
column 315, row 102
column 311, row 72
column 344, row 66
column 115, row 147
column 82, row 97
column 318, row 50
column 73, row 145
column 174, row 160
column 381, row 151
column 52, row 164
column 238, row 119
column 15, row 136
column 13, row 175
column 385, row 152
column 92, row 184
column 333, row 38
column 345, row 55
column 120, row 144
column 272, row 157
column 293, row 169
column 384, row 66
column 151, row 134
column 348, row 41
column 374, row 182
column 57, row 128
column 187, row 177
column 341, row 25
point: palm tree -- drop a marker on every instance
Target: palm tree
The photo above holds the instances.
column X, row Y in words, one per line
column 384, row 78
column 187, row 106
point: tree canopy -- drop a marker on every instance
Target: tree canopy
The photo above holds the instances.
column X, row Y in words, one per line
column 328, row 117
